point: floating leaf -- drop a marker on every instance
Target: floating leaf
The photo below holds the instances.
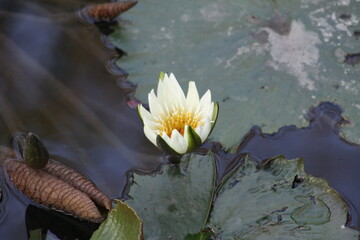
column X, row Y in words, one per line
column 78, row 181
column 275, row 200
column 278, row 200
column 253, row 55
column 177, row 201
column 121, row 223
column 36, row 234
column 204, row 234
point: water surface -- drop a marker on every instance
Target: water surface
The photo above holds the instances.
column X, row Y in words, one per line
column 54, row 82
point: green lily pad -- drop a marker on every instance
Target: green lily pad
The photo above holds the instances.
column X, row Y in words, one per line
column 177, row 201
column 265, row 62
column 204, row 234
column 121, row 223
column 36, row 234
column 278, row 200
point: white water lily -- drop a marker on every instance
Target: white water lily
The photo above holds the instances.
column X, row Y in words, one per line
column 175, row 123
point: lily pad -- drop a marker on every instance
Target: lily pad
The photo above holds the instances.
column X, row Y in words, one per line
column 278, row 200
column 275, row 200
column 204, row 234
column 36, row 234
column 177, row 201
column 121, row 223
column 254, row 55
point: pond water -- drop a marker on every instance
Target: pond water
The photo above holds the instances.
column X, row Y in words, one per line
column 55, row 82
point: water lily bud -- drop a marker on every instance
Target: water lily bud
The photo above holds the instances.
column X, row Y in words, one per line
column 176, row 123
column 35, row 153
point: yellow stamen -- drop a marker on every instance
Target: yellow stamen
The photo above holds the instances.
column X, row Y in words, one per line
column 178, row 119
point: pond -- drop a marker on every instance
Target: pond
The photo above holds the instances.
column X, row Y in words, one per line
column 56, row 85
column 66, row 81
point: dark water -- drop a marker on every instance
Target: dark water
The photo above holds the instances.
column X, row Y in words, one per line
column 55, row 83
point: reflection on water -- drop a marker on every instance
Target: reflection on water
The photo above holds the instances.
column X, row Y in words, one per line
column 53, row 82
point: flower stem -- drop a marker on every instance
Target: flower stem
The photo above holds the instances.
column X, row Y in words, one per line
column 174, row 159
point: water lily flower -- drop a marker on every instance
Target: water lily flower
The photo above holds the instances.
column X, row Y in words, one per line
column 175, row 123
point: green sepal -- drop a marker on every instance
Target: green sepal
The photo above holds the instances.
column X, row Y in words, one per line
column 35, row 153
column 194, row 139
column 161, row 143
column 161, row 76
column 214, row 116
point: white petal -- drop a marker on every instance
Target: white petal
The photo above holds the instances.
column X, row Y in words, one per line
column 145, row 113
column 174, row 94
column 192, row 97
column 206, row 98
column 209, row 112
column 161, row 89
column 176, row 142
column 154, row 105
column 147, row 118
column 204, row 131
column 206, row 106
column 175, row 84
column 150, row 135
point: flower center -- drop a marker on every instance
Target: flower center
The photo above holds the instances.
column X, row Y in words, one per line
column 178, row 119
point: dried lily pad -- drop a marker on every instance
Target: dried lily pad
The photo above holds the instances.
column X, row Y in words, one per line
column 278, row 200
column 177, row 201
